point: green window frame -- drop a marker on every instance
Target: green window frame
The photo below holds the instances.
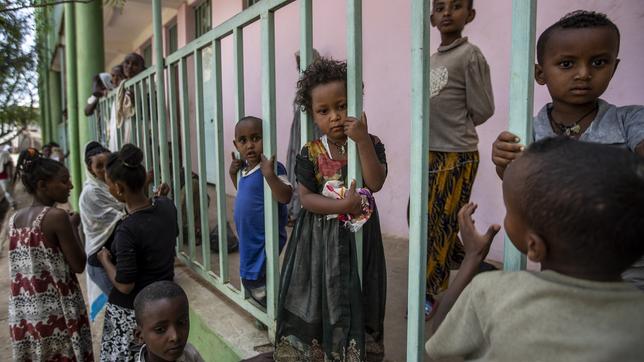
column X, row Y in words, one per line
column 203, row 18
column 249, row 3
column 173, row 38
column 147, row 54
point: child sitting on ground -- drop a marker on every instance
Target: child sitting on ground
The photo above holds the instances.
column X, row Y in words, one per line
column 249, row 203
column 576, row 208
column 576, row 59
column 163, row 324
column 461, row 100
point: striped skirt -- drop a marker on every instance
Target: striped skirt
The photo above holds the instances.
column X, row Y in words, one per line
column 451, row 176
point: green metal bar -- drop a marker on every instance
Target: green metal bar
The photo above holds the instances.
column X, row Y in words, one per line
column 160, row 91
column 267, row 23
column 354, row 95
column 137, row 119
column 145, row 128
column 176, row 163
column 139, row 77
column 201, row 159
column 187, row 156
column 72, row 103
column 220, row 157
column 420, row 10
column 524, row 13
column 238, row 60
column 154, row 129
column 55, row 111
column 306, row 56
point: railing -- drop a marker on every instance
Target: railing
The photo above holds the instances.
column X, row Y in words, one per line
column 149, row 134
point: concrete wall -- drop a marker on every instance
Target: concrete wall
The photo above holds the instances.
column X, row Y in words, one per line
column 386, row 34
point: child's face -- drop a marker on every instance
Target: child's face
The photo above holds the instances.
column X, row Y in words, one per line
column 131, row 67
column 97, row 165
column 578, row 64
column 116, row 78
column 248, row 141
column 329, row 108
column 164, row 327
column 59, row 187
column 451, row 16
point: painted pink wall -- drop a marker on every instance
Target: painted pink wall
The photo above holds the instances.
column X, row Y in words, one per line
column 386, row 35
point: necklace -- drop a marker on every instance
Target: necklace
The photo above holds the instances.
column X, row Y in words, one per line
column 130, row 212
column 575, row 128
column 341, row 147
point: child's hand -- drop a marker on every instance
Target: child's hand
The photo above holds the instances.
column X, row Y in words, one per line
column 353, row 201
column 267, row 166
column 505, row 149
column 104, row 256
column 235, row 166
column 356, row 129
column 163, row 190
column 475, row 244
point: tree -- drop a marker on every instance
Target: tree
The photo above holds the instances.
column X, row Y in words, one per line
column 18, row 61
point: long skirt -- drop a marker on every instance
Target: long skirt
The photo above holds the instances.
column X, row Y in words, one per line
column 118, row 343
column 451, row 176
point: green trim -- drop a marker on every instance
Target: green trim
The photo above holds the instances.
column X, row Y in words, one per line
column 72, row 103
column 211, row 346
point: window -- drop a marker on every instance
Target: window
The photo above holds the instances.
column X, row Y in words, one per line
column 147, row 54
column 249, row 3
column 173, row 40
column 203, row 18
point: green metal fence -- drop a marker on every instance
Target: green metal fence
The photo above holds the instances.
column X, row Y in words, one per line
column 154, row 99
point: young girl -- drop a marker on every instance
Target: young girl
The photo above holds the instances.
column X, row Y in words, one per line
column 142, row 251
column 324, row 313
column 100, row 213
column 461, row 100
column 47, row 316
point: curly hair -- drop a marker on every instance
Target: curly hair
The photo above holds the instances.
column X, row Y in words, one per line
column 33, row 167
column 577, row 19
column 322, row 71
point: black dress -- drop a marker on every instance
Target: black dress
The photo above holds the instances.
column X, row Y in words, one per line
column 323, row 313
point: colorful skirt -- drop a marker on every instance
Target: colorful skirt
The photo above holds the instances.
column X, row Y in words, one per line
column 451, row 176
column 118, row 343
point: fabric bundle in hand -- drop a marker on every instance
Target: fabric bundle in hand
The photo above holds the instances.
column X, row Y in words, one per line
column 335, row 189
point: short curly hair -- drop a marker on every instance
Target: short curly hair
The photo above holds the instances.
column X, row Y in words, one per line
column 322, row 71
column 577, row 19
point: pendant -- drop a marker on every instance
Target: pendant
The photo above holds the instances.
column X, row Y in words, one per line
column 342, row 150
column 573, row 130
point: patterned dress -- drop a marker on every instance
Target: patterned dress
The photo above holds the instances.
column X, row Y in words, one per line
column 323, row 312
column 47, row 314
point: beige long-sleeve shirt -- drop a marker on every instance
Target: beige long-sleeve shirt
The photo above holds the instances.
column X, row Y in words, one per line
column 461, row 97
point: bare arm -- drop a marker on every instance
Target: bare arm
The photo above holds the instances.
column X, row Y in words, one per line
column 373, row 172
column 105, row 257
column 235, row 166
column 91, row 107
column 65, row 229
column 476, row 248
column 639, row 149
column 281, row 191
column 505, row 149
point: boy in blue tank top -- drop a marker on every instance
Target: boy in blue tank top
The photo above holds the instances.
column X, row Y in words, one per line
column 249, row 204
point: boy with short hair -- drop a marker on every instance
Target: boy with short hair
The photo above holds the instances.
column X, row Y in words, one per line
column 576, row 59
column 163, row 323
column 576, row 208
column 249, row 203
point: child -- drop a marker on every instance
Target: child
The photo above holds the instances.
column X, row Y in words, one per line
column 324, row 313
column 163, row 324
column 576, row 208
column 143, row 249
column 249, row 203
column 47, row 315
column 461, row 100
column 576, row 59
column 100, row 213
column 123, row 108
column 6, row 175
column 117, row 75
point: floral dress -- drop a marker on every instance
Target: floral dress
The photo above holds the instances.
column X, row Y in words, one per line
column 323, row 312
column 47, row 314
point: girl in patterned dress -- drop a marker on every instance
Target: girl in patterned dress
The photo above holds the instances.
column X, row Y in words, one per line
column 324, row 313
column 47, row 315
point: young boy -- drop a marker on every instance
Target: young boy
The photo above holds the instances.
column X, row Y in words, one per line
column 576, row 208
column 162, row 324
column 249, row 203
column 461, row 100
column 576, row 59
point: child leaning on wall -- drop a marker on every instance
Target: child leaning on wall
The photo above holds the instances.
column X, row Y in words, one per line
column 576, row 59
column 575, row 208
column 462, row 99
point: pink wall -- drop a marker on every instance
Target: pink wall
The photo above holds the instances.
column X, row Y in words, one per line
column 387, row 80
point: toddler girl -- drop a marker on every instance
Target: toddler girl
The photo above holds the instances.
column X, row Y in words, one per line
column 324, row 313
column 47, row 315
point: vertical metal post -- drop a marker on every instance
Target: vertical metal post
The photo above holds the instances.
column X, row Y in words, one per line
column 270, row 148
column 238, row 60
column 145, row 127
column 306, row 56
column 354, row 95
column 201, row 160
column 187, row 156
column 160, row 83
column 524, row 14
column 154, row 131
column 72, row 102
column 418, row 184
column 220, row 158
column 174, row 136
